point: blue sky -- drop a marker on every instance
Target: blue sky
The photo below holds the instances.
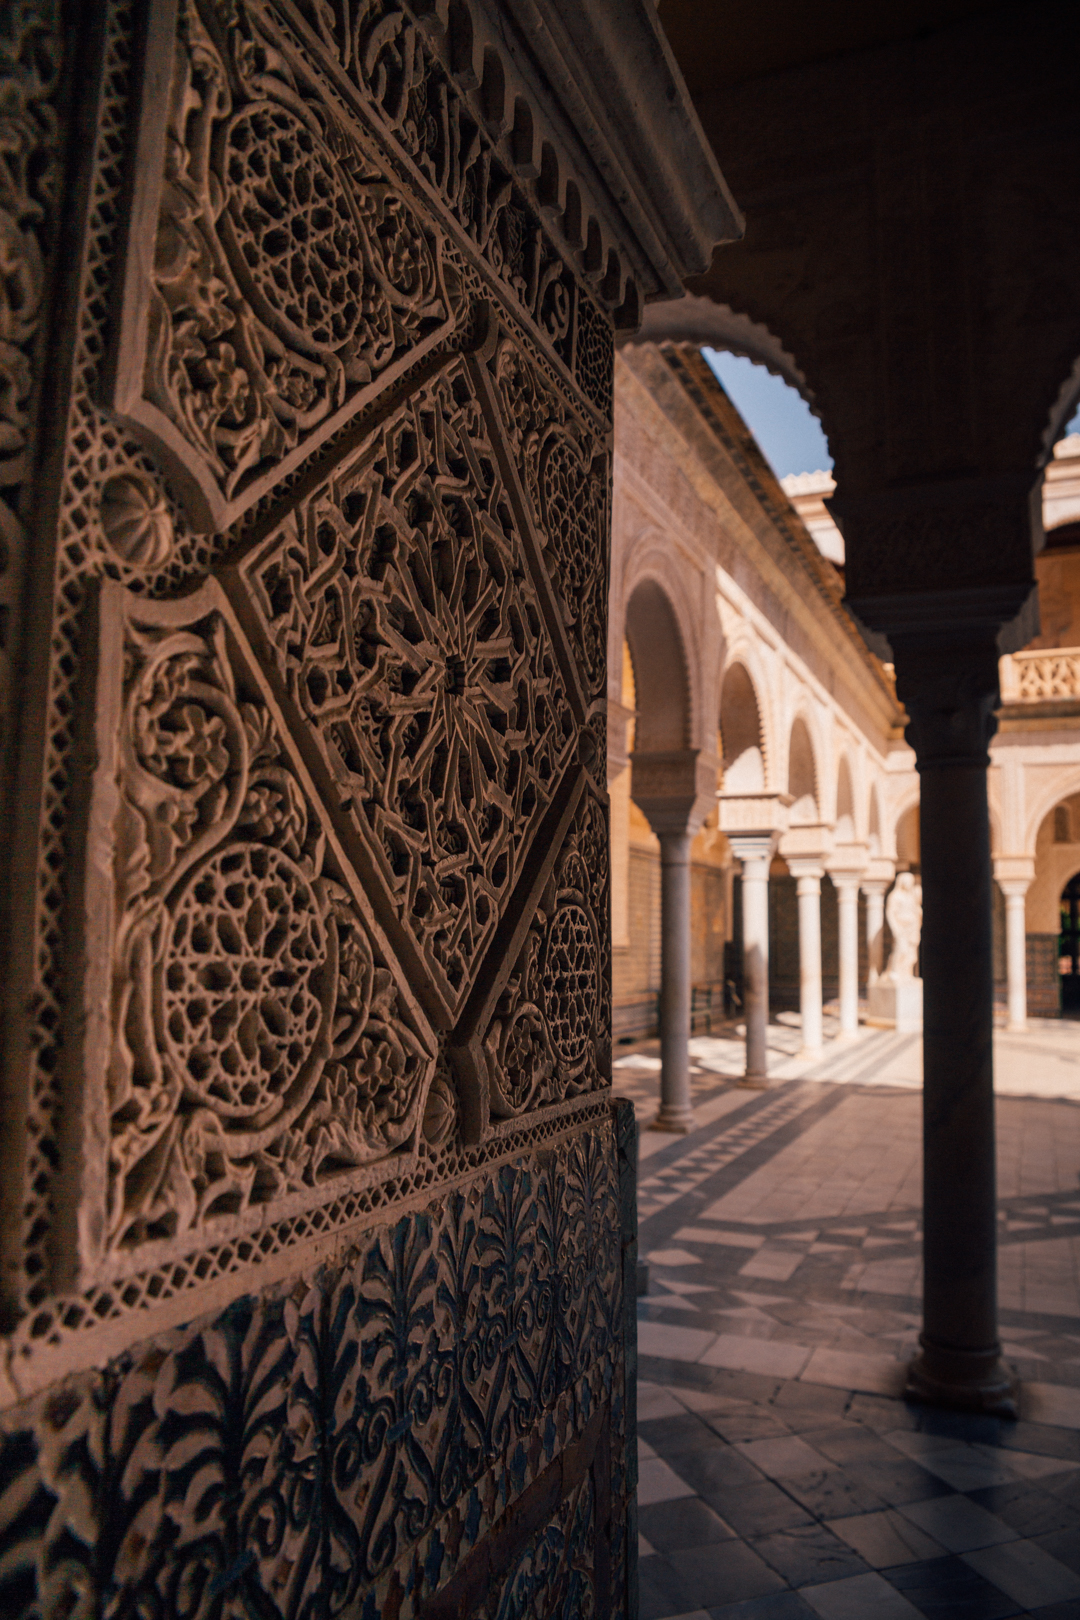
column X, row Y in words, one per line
column 791, row 438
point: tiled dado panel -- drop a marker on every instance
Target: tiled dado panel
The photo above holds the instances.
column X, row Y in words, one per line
column 437, row 1418
column 305, row 426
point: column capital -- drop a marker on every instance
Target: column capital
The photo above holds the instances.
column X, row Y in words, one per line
column 878, row 875
column 752, row 846
column 1014, row 874
column 752, row 814
column 673, row 788
column 847, row 863
column 810, row 841
column 806, row 869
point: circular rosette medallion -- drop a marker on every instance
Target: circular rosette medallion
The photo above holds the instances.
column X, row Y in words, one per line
column 569, row 979
column 244, row 994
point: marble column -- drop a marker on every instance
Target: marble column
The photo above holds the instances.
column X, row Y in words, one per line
column 947, row 678
column 1014, row 879
column 808, row 875
column 874, row 892
column 847, row 903
column 673, row 789
column 755, row 851
column 675, row 1112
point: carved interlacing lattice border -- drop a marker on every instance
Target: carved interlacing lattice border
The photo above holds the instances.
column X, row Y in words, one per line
column 421, row 611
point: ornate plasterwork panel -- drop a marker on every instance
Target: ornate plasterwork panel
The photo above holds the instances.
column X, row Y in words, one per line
column 290, row 279
column 377, row 697
column 248, row 1040
column 396, row 604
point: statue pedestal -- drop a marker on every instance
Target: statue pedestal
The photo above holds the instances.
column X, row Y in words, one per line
column 896, row 1006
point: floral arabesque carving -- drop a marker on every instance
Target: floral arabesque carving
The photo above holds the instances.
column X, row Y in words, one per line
column 549, row 1036
column 315, row 1448
column 403, row 64
column 290, row 275
column 566, row 471
column 255, row 1043
column 404, row 623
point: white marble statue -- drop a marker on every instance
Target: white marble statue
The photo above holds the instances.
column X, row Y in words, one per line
column 903, row 912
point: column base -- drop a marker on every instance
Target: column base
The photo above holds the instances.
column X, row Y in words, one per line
column 1016, row 1029
column 679, row 1121
column 963, row 1381
column 753, row 1082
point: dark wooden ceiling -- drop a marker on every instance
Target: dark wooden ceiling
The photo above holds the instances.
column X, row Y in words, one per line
column 720, row 43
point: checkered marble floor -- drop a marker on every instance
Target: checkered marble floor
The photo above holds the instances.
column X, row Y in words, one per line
column 782, row 1475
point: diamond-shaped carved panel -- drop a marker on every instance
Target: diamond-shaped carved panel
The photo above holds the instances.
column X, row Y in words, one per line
column 397, row 604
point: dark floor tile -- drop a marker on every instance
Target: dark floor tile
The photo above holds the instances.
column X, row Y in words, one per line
column 851, row 1442
column 831, row 1493
column 809, row 1406
column 1053, row 1611
column 752, row 1423
column 882, row 1413
column 1064, row 1545
column 716, row 1468
column 1029, row 1508
column 660, row 1590
column 947, row 1589
column 898, row 1482
column 1041, row 1438
column 686, row 1522
column 723, row 1573
column 809, row 1554
column 776, row 1606
column 671, row 1435
column 757, row 1509
column 970, row 1426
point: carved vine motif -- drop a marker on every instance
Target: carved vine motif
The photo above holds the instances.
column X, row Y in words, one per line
column 288, row 272
column 566, row 471
column 256, row 1044
column 338, row 1447
column 549, row 1037
column 392, row 59
column 405, row 626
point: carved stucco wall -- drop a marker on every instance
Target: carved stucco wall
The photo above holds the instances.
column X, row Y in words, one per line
column 316, row 1208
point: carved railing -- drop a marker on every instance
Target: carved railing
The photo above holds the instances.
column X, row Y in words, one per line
column 1038, row 677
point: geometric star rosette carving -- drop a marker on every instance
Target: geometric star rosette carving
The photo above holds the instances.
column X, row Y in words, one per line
column 249, row 1039
column 398, row 607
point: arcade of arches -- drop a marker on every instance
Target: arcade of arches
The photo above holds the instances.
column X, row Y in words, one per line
column 319, row 463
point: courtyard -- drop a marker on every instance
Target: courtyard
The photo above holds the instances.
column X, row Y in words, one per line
column 782, row 1475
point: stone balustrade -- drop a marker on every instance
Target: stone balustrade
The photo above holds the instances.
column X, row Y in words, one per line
column 1042, row 676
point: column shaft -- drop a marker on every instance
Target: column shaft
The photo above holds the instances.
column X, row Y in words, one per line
column 755, row 910
column 1016, row 958
column 875, row 930
column 809, row 893
column 960, row 1362
column 847, row 899
column 675, row 988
